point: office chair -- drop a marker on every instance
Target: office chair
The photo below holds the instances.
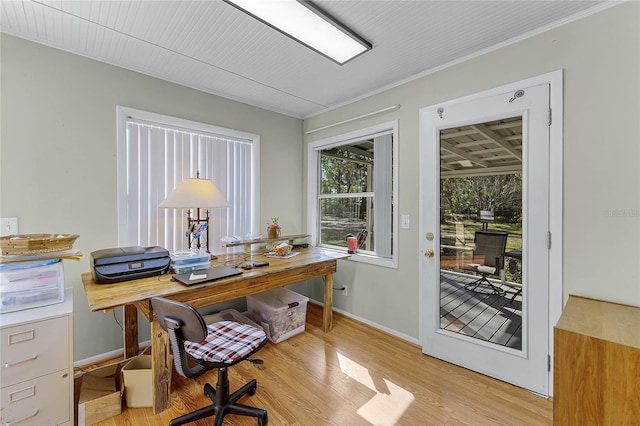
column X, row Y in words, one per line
column 219, row 345
column 489, row 248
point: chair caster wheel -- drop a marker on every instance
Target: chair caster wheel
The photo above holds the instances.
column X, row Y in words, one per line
column 252, row 391
column 263, row 420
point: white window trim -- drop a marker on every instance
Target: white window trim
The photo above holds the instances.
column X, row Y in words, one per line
column 313, row 150
column 122, row 113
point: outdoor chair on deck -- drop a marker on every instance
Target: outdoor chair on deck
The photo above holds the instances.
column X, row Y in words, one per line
column 219, row 345
column 488, row 260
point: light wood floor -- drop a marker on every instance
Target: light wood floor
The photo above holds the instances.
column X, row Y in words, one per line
column 356, row 375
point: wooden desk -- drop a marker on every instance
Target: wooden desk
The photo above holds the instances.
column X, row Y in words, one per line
column 136, row 295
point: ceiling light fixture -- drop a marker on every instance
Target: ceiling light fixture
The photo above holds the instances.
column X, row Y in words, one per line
column 306, row 23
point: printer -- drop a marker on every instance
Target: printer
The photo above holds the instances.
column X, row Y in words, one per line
column 128, row 263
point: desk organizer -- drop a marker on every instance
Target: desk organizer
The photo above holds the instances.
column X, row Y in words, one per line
column 191, row 260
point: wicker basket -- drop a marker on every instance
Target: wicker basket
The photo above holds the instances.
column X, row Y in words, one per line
column 36, row 243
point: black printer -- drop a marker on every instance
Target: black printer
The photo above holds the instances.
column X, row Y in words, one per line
column 128, row 263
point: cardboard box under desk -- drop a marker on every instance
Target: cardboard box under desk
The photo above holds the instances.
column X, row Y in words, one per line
column 137, row 380
column 100, row 395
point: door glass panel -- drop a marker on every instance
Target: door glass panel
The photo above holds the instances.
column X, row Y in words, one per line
column 481, row 216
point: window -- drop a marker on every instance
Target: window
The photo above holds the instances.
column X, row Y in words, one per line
column 156, row 153
column 352, row 190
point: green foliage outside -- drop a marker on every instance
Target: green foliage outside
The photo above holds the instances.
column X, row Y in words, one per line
column 462, row 199
column 344, row 172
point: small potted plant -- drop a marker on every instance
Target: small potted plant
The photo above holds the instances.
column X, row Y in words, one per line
column 273, row 228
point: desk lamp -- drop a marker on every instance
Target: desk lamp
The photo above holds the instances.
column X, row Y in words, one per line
column 196, row 193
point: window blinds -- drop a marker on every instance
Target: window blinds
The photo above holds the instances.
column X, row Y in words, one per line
column 158, row 158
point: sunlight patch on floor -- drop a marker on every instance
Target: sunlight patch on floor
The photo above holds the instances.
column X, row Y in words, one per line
column 390, row 400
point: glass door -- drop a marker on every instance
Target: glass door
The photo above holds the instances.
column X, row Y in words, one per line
column 481, row 231
column 484, row 210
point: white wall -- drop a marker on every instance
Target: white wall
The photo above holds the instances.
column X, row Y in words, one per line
column 58, row 156
column 600, row 55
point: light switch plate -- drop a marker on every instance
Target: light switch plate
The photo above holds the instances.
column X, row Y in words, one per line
column 8, row 226
column 405, row 221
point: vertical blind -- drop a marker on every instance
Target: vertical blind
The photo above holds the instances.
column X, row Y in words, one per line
column 158, row 158
column 383, row 184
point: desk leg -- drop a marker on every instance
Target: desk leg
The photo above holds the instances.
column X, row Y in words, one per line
column 160, row 368
column 130, row 320
column 327, row 311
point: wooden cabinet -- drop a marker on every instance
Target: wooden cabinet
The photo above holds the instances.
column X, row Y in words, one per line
column 597, row 364
column 36, row 351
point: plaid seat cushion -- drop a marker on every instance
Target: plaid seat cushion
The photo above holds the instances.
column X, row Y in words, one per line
column 227, row 342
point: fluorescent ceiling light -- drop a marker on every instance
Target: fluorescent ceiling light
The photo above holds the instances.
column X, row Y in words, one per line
column 307, row 24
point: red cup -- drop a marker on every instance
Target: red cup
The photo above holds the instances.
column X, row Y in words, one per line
column 352, row 245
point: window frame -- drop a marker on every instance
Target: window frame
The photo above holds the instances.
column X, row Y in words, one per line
column 313, row 190
column 124, row 113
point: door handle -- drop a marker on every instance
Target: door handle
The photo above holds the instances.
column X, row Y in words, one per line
column 429, row 253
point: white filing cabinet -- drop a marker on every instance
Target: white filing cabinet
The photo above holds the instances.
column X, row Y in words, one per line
column 37, row 365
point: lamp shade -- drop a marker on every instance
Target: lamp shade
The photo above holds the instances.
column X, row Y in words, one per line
column 195, row 193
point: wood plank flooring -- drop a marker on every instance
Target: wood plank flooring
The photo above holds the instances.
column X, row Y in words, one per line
column 487, row 317
column 356, row 375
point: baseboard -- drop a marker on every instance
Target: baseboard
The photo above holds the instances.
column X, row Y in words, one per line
column 106, row 355
column 377, row 326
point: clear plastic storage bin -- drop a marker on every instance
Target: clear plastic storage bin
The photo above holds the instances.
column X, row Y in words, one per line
column 190, row 268
column 25, row 285
column 190, row 260
column 281, row 312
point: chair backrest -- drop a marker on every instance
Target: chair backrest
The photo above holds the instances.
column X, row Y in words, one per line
column 492, row 246
column 182, row 322
column 191, row 323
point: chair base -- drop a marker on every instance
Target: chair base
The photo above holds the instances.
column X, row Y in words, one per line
column 515, row 294
column 483, row 285
column 224, row 404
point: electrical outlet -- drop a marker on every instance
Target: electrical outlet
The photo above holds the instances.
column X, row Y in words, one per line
column 8, row 226
column 345, row 290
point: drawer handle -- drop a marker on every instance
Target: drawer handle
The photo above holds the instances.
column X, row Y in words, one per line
column 15, row 422
column 12, row 363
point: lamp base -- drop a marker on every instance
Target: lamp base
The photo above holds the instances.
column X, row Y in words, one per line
column 198, row 230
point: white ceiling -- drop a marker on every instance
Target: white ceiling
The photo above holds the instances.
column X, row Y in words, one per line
column 213, row 47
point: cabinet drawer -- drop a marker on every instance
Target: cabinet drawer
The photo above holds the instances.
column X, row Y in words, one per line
column 42, row 401
column 34, row 349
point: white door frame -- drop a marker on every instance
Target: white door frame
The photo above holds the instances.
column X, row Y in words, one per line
column 555, row 81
